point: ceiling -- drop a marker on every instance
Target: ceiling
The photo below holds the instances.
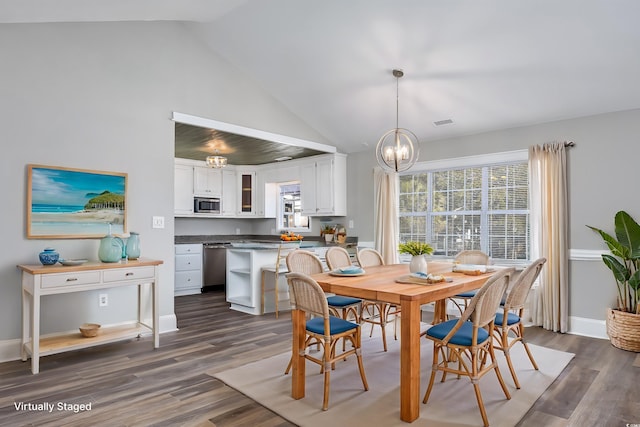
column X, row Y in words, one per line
column 484, row 65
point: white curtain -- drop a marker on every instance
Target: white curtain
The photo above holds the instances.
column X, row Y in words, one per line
column 386, row 214
column 549, row 234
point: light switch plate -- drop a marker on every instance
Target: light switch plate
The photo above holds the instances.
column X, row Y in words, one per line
column 158, row 222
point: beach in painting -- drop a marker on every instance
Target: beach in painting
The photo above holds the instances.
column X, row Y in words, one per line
column 83, row 222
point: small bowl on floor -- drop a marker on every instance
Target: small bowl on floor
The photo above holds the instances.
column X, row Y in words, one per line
column 89, row 330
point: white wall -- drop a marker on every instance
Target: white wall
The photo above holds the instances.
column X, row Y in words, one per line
column 99, row 96
column 601, row 168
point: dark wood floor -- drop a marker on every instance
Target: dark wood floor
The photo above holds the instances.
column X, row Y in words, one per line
column 130, row 384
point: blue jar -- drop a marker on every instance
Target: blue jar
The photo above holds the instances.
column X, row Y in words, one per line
column 49, row 256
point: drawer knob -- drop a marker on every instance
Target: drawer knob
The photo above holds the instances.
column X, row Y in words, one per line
column 129, row 274
column 72, row 279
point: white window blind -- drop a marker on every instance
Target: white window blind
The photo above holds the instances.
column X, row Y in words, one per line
column 483, row 207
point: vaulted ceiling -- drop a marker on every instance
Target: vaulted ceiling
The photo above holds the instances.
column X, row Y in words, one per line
column 484, row 65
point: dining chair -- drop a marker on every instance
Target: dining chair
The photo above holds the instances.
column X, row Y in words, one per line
column 338, row 257
column 510, row 319
column 279, row 269
column 377, row 312
column 306, row 262
column 473, row 257
column 324, row 328
column 464, row 346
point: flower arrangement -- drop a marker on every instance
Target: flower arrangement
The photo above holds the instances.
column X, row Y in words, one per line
column 415, row 248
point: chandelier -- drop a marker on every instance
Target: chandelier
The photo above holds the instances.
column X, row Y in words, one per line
column 216, row 161
column 397, row 150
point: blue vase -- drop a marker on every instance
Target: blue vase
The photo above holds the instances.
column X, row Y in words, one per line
column 49, row 256
column 133, row 246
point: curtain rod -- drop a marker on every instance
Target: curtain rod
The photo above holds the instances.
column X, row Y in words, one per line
column 569, row 144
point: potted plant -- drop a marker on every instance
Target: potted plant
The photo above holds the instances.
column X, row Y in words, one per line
column 328, row 231
column 417, row 250
column 623, row 322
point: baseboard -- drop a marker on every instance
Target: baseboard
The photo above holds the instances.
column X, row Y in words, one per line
column 588, row 327
column 10, row 349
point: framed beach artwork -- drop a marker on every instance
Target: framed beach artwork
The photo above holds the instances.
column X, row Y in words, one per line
column 66, row 203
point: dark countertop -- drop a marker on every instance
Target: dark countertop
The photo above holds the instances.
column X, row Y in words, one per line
column 220, row 239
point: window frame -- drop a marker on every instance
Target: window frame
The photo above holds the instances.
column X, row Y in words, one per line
column 484, row 160
column 280, row 211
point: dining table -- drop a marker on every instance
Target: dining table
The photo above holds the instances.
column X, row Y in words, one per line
column 383, row 284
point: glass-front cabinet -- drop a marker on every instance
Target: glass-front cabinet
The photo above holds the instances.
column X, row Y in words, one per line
column 247, row 193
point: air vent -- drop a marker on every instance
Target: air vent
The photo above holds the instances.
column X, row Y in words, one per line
column 443, row 122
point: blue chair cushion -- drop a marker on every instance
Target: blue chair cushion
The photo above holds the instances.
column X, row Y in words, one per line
column 462, row 337
column 340, row 301
column 336, row 325
column 512, row 318
column 468, row 294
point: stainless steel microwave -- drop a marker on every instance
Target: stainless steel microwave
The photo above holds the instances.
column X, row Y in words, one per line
column 206, row 205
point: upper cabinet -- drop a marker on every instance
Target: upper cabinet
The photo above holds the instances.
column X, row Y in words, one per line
column 323, row 186
column 247, row 192
column 183, row 189
column 229, row 190
column 207, row 182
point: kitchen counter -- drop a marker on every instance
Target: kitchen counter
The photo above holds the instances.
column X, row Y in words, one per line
column 308, row 241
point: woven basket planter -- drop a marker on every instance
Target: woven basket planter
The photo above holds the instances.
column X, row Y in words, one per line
column 624, row 330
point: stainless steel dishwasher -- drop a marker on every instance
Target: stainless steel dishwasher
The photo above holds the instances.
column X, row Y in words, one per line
column 215, row 266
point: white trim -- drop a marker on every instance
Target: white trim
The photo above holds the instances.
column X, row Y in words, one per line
column 168, row 323
column 586, row 254
column 469, row 161
column 588, row 327
column 254, row 133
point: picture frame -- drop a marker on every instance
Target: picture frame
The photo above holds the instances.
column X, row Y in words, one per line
column 69, row 203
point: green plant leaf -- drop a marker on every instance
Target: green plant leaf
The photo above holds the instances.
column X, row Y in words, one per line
column 634, row 281
column 615, row 247
column 620, row 271
column 628, row 233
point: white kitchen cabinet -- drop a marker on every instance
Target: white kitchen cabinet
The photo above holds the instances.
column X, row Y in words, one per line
column 207, row 182
column 246, row 193
column 323, row 186
column 188, row 270
column 229, row 193
column 183, row 189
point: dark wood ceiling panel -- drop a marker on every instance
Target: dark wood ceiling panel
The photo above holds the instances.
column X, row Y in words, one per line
column 194, row 142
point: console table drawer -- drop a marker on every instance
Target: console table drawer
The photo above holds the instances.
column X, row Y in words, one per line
column 123, row 274
column 70, row 279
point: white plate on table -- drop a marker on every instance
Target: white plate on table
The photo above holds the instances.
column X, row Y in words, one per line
column 340, row 273
column 72, row 262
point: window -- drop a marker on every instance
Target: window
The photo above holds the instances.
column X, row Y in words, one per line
column 290, row 217
column 480, row 204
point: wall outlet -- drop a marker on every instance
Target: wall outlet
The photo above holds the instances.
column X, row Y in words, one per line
column 103, row 300
column 158, row 222
column 350, row 223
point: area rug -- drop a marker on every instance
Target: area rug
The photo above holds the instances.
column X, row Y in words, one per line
column 451, row 403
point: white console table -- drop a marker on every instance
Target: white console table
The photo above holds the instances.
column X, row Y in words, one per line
column 39, row 280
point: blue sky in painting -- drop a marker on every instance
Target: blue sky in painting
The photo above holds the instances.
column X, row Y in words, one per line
column 66, row 187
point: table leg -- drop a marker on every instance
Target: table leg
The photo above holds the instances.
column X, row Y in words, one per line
column 298, row 367
column 440, row 311
column 410, row 361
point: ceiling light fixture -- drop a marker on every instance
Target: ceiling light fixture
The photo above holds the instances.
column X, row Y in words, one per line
column 216, row 161
column 398, row 149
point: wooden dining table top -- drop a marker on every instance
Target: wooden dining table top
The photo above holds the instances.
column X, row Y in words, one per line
column 379, row 283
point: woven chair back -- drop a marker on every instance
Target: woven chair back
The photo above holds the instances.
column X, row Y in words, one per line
column 483, row 306
column 368, row 257
column 337, row 257
column 308, row 295
column 520, row 290
column 301, row 261
column 472, row 257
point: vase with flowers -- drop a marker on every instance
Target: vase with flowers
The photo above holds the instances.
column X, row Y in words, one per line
column 417, row 250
